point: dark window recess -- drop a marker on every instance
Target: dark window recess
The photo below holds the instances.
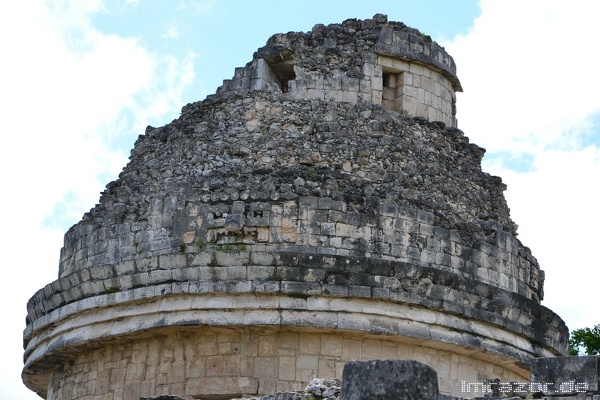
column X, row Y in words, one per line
column 284, row 71
column 386, row 79
column 392, row 94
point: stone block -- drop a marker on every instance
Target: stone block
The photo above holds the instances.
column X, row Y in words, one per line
column 267, row 317
column 236, row 272
column 301, row 288
column 318, row 303
column 230, row 386
column 413, row 253
column 389, row 380
column 265, row 367
column 239, row 287
column 333, row 95
column 350, row 97
column 307, row 362
column 351, row 84
column 314, row 80
column 100, row 272
column 316, row 93
column 368, row 69
column 125, row 267
column 266, row 287
column 335, row 290
column 293, row 303
column 359, row 291
column 328, row 228
column 327, row 367
column 381, row 293
column 331, row 345
column 315, row 319
column 287, row 368
column 228, row 258
column 566, row 375
column 261, row 273
column 376, row 96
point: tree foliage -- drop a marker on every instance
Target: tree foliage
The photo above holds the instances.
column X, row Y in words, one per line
column 585, row 341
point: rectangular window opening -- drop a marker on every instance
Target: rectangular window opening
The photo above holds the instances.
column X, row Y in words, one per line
column 392, row 89
column 285, row 73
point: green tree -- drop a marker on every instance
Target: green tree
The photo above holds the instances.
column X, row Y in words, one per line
column 585, row 341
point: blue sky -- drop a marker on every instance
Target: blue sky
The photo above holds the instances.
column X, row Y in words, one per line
column 223, row 34
column 80, row 80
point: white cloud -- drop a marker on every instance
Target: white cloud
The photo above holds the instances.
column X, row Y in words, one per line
column 556, row 207
column 70, row 97
column 527, row 68
column 171, row 33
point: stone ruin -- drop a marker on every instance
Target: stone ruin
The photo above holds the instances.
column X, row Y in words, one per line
column 322, row 207
column 358, row 62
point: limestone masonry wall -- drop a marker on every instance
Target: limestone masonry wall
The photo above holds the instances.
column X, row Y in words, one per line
column 340, row 186
column 318, row 226
column 371, row 62
column 230, row 216
column 194, row 362
column 321, row 207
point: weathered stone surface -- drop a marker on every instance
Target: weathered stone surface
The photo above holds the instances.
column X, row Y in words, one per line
column 317, row 389
column 163, row 397
column 321, row 207
column 389, row 380
column 566, row 375
column 372, row 61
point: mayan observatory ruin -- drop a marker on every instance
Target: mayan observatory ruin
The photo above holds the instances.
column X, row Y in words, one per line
column 321, row 207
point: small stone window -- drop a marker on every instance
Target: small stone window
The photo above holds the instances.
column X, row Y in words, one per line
column 284, row 73
column 274, row 72
column 388, row 78
column 392, row 89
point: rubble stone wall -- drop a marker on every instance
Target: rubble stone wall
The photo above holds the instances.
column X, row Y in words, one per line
column 311, row 208
column 372, row 61
column 323, row 194
column 356, row 163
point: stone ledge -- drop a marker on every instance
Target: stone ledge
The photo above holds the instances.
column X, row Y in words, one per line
column 390, row 281
column 95, row 321
column 296, row 289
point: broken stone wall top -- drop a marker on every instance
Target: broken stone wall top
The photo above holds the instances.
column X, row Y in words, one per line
column 371, row 61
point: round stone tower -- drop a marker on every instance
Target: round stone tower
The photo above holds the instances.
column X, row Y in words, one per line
column 321, row 207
